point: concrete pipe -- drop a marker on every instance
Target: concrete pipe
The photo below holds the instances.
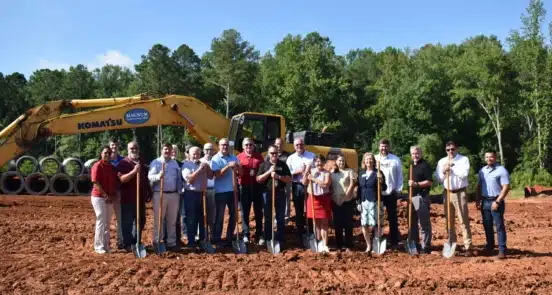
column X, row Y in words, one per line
column 50, row 166
column 11, row 182
column 37, row 184
column 72, row 167
column 26, row 165
column 88, row 165
column 82, row 184
column 61, row 184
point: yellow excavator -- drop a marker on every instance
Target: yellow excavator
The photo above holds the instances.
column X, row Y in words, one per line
column 201, row 121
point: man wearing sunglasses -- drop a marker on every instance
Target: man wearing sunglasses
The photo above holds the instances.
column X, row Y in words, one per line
column 457, row 167
column 276, row 170
column 250, row 191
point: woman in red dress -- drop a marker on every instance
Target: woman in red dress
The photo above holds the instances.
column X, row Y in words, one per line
column 319, row 182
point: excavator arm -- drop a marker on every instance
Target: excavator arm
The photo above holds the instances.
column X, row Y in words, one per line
column 47, row 120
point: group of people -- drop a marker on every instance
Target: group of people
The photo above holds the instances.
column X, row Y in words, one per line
column 326, row 191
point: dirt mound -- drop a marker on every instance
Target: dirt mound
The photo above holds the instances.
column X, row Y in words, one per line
column 47, row 248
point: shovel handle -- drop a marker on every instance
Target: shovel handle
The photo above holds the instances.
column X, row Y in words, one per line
column 273, row 205
column 379, row 196
column 205, row 207
column 234, row 186
column 161, row 191
column 409, row 203
column 138, row 206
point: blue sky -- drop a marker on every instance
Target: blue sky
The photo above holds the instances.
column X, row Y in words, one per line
column 56, row 34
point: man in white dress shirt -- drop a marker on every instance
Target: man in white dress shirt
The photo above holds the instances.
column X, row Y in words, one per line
column 458, row 167
column 171, row 197
column 391, row 168
column 297, row 163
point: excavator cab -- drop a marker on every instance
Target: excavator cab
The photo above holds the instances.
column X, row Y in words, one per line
column 263, row 129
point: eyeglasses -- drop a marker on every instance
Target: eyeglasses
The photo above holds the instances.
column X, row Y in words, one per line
column 300, row 144
column 248, row 144
column 451, row 150
column 274, row 153
column 207, row 149
column 224, row 144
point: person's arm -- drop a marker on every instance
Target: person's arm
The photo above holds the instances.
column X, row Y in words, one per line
column 263, row 175
column 154, row 173
column 439, row 172
column 505, row 182
column 325, row 182
column 179, row 178
column 351, row 183
column 130, row 175
column 399, row 176
column 94, row 179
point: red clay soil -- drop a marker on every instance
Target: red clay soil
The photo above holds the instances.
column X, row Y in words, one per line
column 47, row 248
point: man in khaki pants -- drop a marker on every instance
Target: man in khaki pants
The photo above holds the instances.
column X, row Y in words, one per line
column 458, row 167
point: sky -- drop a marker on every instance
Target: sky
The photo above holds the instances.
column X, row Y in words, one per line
column 56, row 34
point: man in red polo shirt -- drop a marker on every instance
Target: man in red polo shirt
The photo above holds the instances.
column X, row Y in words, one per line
column 250, row 161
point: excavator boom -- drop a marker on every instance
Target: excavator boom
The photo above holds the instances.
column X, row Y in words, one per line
column 115, row 113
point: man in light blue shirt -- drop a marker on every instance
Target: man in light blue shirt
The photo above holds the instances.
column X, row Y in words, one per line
column 171, row 199
column 492, row 188
column 222, row 165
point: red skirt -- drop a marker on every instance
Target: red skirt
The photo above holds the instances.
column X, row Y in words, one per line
column 322, row 206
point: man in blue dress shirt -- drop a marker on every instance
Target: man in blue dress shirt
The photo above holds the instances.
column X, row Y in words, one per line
column 492, row 188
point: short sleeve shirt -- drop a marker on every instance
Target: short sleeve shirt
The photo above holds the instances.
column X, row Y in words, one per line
column 104, row 174
column 492, row 179
column 281, row 169
column 249, row 166
column 421, row 172
column 223, row 184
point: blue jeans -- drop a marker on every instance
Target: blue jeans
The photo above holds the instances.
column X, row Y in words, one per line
column 280, row 208
column 221, row 201
column 497, row 218
column 128, row 216
column 184, row 221
column 251, row 195
column 194, row 215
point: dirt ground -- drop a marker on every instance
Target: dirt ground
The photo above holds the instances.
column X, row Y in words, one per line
column 47, row 248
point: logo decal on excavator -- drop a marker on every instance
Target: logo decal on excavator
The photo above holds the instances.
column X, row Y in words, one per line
column 100, row 124
column 137, row 116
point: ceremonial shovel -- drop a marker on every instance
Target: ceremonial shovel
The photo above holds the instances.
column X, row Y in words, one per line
column 378, row 243
column 410, row 245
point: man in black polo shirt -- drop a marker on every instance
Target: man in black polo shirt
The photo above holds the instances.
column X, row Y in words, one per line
column 279, row 171
column 420, row 183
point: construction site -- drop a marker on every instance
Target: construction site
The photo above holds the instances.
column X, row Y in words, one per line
column 47, row 244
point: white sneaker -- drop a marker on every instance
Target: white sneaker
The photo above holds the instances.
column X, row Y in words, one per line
column 101, row 251
column 326, row 249
column 261, row 242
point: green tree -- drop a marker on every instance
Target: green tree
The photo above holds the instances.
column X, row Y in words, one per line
column 231, row 64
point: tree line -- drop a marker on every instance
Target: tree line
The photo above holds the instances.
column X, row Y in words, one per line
column 477, row 93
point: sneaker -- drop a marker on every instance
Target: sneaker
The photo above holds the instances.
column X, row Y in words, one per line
column 101, row 251
column 261, row 242
column 245, row 239
column 501, row 255
column 120, row 246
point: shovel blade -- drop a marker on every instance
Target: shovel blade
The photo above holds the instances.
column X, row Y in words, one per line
column 306, row 238
column 411, row 248
column 239, row 247
column 159, row 248
column 379, row 245
column 313, row 244
column 139, row 251
column 208, row 247
column 449, row 249
column 273, row 247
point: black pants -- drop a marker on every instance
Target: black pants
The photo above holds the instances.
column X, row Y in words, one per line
column 390, row 202
column 128, row 215
column 343, row 222
column 251, row 194
column 299, row 204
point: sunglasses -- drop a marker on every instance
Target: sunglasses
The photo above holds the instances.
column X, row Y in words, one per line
column 274, row 153
column 451, row 150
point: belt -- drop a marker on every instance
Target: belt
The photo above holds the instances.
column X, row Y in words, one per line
column 454, row 191
column 167, row 192
column 485, row 198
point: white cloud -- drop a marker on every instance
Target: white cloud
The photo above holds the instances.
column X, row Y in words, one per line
column 111, row 57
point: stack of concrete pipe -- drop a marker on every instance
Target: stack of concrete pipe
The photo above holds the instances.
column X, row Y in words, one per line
column 47, row 176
